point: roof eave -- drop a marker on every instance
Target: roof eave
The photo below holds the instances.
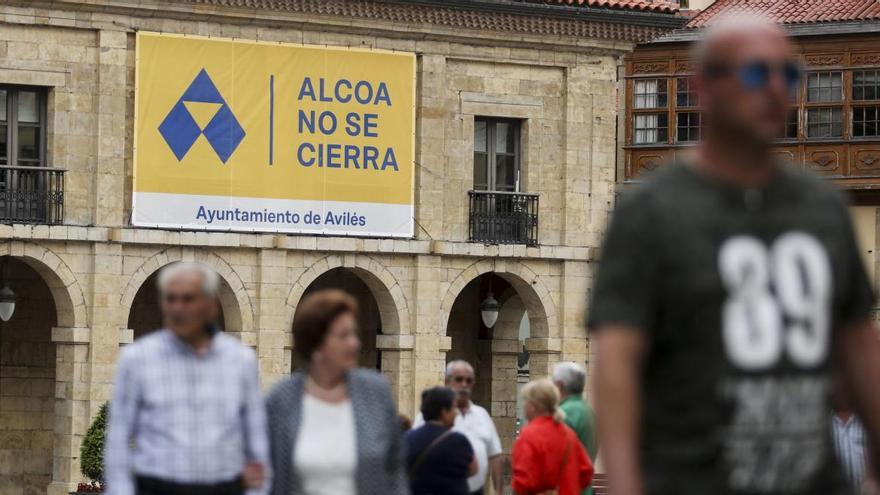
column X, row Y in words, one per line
column 798, row 29
column 582, row 13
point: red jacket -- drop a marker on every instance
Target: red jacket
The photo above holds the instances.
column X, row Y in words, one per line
column 538, row 455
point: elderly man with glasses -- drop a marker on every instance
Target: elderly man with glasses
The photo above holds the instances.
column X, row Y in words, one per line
column 477, row 425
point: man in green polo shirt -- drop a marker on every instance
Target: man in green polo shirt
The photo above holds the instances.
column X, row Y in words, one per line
column 570, row 379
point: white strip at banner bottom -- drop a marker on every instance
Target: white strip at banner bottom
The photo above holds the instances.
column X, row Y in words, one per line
column 292, row 216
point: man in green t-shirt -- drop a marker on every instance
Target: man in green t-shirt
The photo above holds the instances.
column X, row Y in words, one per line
column 570, row 379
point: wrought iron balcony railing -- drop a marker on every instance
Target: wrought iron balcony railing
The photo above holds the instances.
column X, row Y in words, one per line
column 498, row 217
column 31, row 195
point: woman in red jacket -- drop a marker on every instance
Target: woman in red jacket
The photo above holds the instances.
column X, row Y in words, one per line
column 547, row 457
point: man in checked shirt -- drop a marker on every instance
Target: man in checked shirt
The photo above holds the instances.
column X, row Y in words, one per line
column 187, row 416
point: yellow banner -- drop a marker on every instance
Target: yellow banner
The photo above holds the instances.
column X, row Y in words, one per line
column 306, row 128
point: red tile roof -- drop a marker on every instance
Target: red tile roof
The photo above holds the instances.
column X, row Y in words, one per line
column 791, row 11
column 641, row 5
column 465, row 18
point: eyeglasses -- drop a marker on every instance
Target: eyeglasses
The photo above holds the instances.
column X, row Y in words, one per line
column 181, row 298
column 756, row 75
column 467, row 380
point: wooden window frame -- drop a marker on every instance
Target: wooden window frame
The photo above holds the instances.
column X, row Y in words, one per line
column 12, row 123
column 492, row 154
column 853, row 103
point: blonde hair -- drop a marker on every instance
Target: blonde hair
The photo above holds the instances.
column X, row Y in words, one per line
column 544, row 395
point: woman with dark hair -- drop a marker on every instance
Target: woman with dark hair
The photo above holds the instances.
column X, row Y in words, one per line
column 438, row 459
column 333, row 428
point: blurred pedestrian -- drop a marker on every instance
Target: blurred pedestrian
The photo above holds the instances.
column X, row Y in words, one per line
column 728, row 289
column 477, row 425
column 438, row 459
column 405, row 423
column 570, row 380
column 547, row 457
column 334, row 428
column 850, row 445
column 187, row 414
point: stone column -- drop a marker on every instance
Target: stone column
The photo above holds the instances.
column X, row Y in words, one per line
column 126, row 336
column 274, row 340
column 505, row 347
column 503, row 407
column 112, row 126
column 397, row 365
column 430, row 340
column 544, row 352
column 72, row 376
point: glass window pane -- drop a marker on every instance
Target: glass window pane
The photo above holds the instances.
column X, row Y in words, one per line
column 28, row 143
column 650, row 128
column 3, row 105
column 504, row 138
column 825, row 86
column 480, row 135
column 791, row 124
column 824, row 122
column 28, row 109
column 481, row 171
column 3, row 146
column 505, row 173
column 865, row 121
column 649, row 93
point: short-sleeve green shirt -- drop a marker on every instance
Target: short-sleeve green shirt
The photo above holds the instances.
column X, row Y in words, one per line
column 579, row 417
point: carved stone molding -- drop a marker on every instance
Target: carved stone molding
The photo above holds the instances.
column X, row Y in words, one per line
column 867, row 159
column 824, row 59
column 650, row 67
column 685, row 66
column 865, row 58
column 825, row 160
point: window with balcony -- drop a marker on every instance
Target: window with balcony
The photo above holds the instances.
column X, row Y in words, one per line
column 499, row 212
column 30, row 192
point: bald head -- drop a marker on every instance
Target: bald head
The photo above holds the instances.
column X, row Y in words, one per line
column 744, row 79
column 725, row 39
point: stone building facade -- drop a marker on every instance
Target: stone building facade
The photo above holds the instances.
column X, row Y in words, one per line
column 84, row 278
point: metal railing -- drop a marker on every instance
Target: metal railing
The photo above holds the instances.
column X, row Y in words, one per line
column 498, row 217
column 31, row 195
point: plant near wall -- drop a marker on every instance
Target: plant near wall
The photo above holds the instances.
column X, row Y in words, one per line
column 91, row 453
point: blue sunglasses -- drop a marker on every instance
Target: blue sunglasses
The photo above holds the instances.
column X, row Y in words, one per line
column 756, row 75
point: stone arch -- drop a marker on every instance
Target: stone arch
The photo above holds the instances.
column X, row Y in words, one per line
column 70, row 302
column 536, row 297
column 238, row 309
column 498, row 353
column 385, row 288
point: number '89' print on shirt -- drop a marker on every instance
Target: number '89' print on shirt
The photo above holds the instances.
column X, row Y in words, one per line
column 738, row 294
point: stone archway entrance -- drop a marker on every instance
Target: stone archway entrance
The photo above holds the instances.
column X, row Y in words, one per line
column 498, row 354
column 371, row 317
column 28, row 359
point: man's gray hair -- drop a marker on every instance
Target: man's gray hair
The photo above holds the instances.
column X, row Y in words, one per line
column 451, row 365
column 210, row 279
column 571, row 377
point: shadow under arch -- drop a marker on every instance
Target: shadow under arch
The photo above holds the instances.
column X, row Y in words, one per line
column 141, row 293
column 383, row 307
